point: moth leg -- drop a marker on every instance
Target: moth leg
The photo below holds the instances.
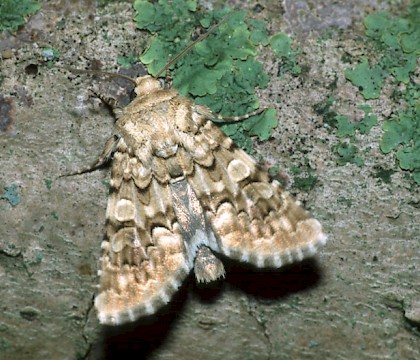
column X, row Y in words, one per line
column 113, row 103
column 109, row 149
column 207, row 267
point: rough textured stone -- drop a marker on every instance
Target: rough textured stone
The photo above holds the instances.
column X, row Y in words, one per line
column 347, row 304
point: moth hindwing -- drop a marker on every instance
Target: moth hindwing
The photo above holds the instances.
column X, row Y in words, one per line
column 181, row 192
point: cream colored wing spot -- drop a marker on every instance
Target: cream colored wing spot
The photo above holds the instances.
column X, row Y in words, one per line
column 238, row 170
column 124, row 210
column 265, row 190
column 125, row 237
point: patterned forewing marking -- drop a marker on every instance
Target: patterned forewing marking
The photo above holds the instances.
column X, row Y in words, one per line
column 143, row 257
column 255, row 219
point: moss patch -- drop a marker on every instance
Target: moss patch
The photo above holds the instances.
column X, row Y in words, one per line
column 221, row 71
column 397, row 41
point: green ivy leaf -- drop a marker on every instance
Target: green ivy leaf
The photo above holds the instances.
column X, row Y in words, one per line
column 396, row 132
column 344, row 126
column 348, row 154
column 410, row 41
column 368, row 121
column 259, row 35
column 409, row 157
column 11, row 195
column 127, row 62
column 368, row 79
column 281, row 44
column 13, row 13
column 262, row 125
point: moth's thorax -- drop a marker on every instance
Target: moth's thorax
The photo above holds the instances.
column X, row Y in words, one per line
column 157, row 120
column 147, row 85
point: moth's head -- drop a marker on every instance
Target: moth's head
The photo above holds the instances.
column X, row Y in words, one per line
column 147, row 85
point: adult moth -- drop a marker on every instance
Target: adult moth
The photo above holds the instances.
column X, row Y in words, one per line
column 181, row 191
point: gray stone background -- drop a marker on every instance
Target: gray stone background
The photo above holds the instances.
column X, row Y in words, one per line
column 358, row 299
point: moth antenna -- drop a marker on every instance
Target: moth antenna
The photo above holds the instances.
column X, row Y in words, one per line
column 239, row 118
column 99, row 72
column 189, row 47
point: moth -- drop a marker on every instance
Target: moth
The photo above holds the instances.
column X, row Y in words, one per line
column 181, row 192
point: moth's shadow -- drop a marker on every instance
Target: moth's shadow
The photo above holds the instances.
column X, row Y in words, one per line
column 273, row 283
column 141, row 339
column 263, row 284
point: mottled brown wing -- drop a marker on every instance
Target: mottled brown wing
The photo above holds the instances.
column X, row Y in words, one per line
column 253, row 218
column 143, row 258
